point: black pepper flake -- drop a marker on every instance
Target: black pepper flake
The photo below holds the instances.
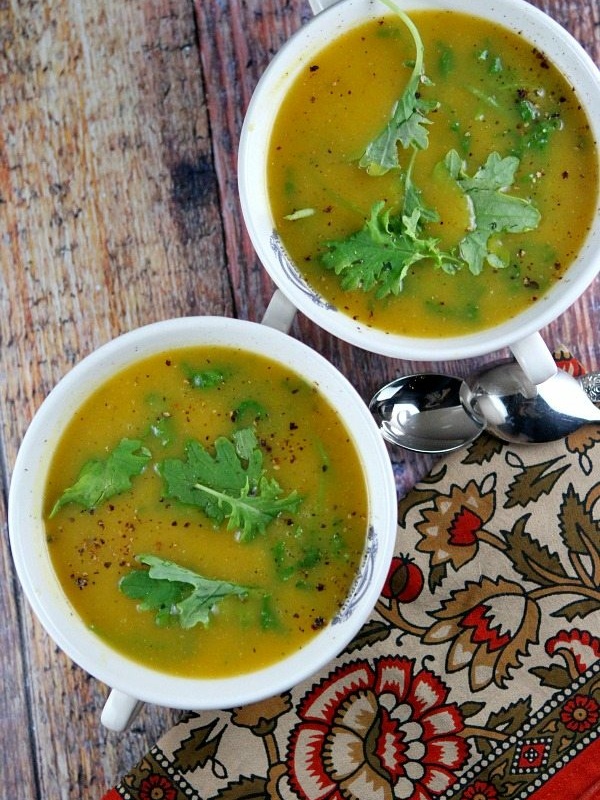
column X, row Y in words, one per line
column 293, row 426
column 313, row 67
column 318, row 624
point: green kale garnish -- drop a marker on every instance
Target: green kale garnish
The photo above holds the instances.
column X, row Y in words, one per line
column 175, row 593
column 101, row 479
column 203, row 378
column 229, row 485
column 406, row 125
column 493, row 211
column 381, row 253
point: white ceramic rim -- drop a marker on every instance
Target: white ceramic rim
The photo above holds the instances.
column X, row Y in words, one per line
column 32, row 560
column 517, row 15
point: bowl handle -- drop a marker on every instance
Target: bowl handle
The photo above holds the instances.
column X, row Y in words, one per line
column 320, row 5
column 119, row 710
column 534, row 358
column 280, row 312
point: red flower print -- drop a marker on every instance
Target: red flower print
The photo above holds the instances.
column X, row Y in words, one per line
column 575, row 646
column 157, row 787
column 480, row 790
column 380, row 731
column 474, row 621
column 580, row 713
column 405, row 580
column 464, row 528
column 565, row 360
column 452, row 530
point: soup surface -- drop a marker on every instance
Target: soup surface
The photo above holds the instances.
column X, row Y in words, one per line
column 206, row 512
column 492, row 195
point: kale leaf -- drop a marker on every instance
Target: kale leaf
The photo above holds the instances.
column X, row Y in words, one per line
column 175, row 593
column 230, row 484
column 493, row 211
column 408, row 119
column 101, row 479
column 381, row 253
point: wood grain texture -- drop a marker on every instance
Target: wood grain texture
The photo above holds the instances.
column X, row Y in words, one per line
column 118, row 207
column 110, row 219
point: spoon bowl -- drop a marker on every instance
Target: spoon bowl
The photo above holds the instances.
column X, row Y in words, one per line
column 424, row 413
column 436, row 414
column 515, row 410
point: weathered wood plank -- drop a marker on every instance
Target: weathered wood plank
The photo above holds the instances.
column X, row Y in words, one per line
column 16, row 739
column 110, row 219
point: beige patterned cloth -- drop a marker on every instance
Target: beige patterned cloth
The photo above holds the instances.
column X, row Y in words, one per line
column 477, row 677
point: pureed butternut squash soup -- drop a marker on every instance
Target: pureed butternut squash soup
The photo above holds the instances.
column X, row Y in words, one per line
column 206, row 512
column 431, row 175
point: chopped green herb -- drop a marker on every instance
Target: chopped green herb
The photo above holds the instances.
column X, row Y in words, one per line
column 297, row 558
column 302, row 213
column 248, row 411
column 496, row 66
column 203, row 378
column 493, row 210
column 162, row 429
column 175, row 593
column 409, row 116
column 488, row 99
column 269, row 619
column 101, row 479
column 446, row 59
column 539, row 133
column 229, row 485
column 528, row 111
column 381, row 254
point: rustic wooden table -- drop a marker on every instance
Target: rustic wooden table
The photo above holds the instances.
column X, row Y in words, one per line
column 118, row 207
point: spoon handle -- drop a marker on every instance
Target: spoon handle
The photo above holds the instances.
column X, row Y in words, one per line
column 591, row 385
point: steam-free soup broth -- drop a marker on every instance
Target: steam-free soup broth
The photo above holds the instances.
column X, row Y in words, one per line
column 206, row 512
column 486, row 91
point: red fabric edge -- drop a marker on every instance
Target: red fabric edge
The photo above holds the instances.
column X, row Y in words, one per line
column 112, row 794
column 573, row 780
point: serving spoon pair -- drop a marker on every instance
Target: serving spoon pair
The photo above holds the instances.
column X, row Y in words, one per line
column 434, row 413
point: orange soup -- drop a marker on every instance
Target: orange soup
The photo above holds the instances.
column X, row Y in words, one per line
column 493, row 189
column 206, row 512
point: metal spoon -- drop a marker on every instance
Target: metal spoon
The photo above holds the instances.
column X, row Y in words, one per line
column 516, row 410
column 424, row 413
column 433, row 413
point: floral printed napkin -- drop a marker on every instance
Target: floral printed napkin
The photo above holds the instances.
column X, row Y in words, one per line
column 477, row 677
